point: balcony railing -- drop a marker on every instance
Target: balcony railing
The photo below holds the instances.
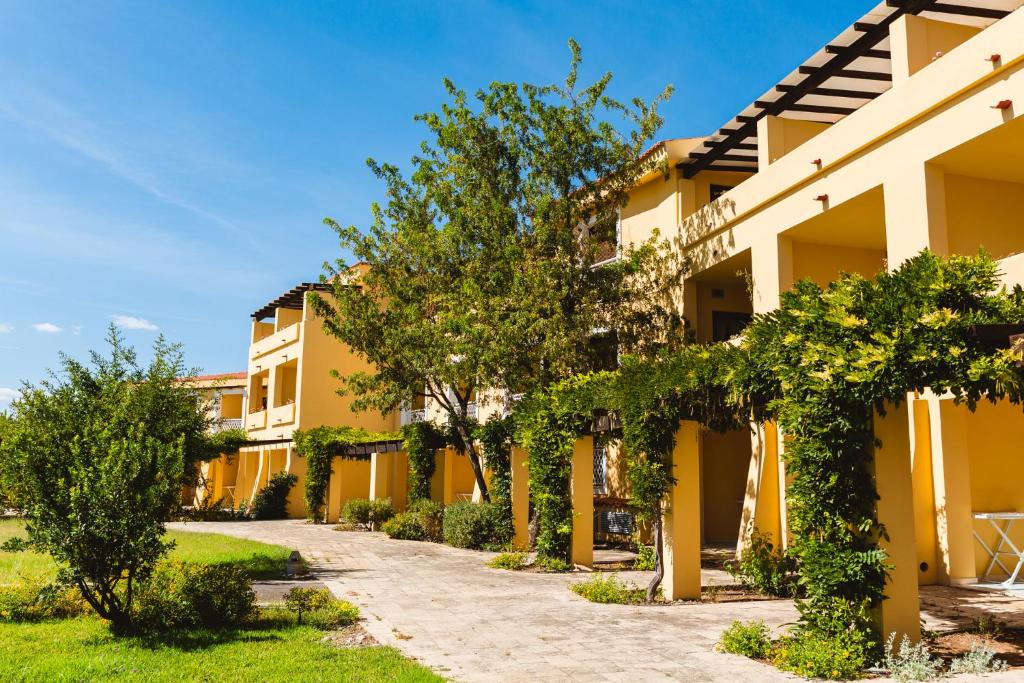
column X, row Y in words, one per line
column 256, row 420
column 471, row 411
column 411, row 416
column 225, row 423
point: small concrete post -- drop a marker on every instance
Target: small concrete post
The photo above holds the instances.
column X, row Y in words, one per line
column 520, row 499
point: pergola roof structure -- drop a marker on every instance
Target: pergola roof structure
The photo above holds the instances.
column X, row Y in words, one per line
column 837, row 80
column 293, row 299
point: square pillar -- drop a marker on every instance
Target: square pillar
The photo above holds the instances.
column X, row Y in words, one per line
column 520, row 499
column 380, row 475
column 762, row 505
column 449, row 476
column 900, row 611
column 582, row 491
column 951, row 478
column 772, row 271
column 915, row 212
column 681, row 517
column 332, row 509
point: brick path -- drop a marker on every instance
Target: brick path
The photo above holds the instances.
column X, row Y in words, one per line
column 445, row 608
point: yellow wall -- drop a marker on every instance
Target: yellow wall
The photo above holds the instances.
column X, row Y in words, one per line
column 984, row 213
column 735, row 299
column 822, row 263
column 725, row 460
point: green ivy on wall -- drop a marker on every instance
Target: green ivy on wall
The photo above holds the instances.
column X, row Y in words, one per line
column 495, row 437
column 320, row 445
column 422, row 439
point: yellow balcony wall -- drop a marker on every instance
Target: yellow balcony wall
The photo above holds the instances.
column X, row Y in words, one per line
column 257, row 420
column 282, row 415
column 288, row 335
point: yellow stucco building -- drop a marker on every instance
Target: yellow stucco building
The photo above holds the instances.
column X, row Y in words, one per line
column 903, row 133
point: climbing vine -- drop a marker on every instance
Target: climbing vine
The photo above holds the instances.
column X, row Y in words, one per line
column 320, row 445
column 422, row 439
column 495, row 437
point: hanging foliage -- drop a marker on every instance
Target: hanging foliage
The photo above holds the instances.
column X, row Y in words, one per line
column 319, row 446
column 422, row 439
column 495, row 437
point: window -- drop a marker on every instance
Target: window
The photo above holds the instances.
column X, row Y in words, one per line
column 604, row 351
column 726, row 324
column 600, row 467
column 718, row 190
column 604, row 236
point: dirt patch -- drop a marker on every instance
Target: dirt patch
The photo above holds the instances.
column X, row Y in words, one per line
column 732, row 594
column 1008, row 645
column 351, row 636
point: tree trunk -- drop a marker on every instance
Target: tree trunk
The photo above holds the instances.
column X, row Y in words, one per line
column 659, row 559
column 474, row 459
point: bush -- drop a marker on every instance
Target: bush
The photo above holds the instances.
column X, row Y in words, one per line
column 431, row 516
column 320, row 609
column 514, row 561
column 751, row 639
column 979, row 660
column 368, row 513
column 471, row 525
column 32, row 599
column 272, row 500
column 186, row 595
column 811, row 655
column 912, row 662
column 405, row 526
column 764, row 569
column 552, row 564
column 645, row 558
column 609, row 590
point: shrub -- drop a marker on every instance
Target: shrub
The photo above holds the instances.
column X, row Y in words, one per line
column 187, row 595
column 368, row 513
column 405, row 526
column 751, row 639
column 514, row 561
column 979, row 660
column 608, row 590
column 431, row 516
column 320, row 609
column 32, row 599
column 912, row 662
column 764, row 569
column 645, row 559
column 812, row 655
column 552, row 564
column 471, row 525
column 272, row 500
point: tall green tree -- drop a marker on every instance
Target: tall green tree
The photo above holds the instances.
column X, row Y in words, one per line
column 481, row 275
column 96, row 456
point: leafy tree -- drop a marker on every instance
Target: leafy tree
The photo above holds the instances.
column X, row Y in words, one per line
column 96, row 454
column 479, row 274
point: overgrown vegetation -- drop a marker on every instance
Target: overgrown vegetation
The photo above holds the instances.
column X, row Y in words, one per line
column 320, row 445
column 495, row 437
column 609, row 589
column 764, row 569
column 272, row 500
column 421, row 441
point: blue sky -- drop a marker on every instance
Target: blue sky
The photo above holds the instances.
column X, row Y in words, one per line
column 167, row 165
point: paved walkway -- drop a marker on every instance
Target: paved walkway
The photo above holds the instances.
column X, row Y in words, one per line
column 445, row 608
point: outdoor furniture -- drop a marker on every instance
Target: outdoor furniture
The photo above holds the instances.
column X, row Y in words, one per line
column 1002, row 523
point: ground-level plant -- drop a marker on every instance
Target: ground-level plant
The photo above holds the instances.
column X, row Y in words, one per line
column 513, row 561
column 370, row 514
column 318, row 608
column 750, row 639
column 473, row 525
column 764, row 569
column 608, row 589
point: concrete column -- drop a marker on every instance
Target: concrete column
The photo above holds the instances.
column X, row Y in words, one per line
column 582, row 490
column 781, row 486
column 682, row 517
column 761, row 504
column 380, row 475
column 915, row 212
column 520, row 499
column 772, row 271
column 332, row 509
column 900, row 611
column 449, row 476
column 924, row 491
column 915, row 42
column 951, row 477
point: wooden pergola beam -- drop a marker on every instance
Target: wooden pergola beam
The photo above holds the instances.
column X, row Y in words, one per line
column 835, row 92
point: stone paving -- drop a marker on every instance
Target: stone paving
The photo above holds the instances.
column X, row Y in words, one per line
column 445, row 608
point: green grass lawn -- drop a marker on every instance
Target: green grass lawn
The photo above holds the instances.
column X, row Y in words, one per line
column 261, row 559
column 83, row 650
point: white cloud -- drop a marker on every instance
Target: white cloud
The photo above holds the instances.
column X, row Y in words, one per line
column 6, row 328
column 46, row 327
column 130, row 322
column 7, row 395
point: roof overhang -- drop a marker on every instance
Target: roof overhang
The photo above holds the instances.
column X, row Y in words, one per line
column 293, row 299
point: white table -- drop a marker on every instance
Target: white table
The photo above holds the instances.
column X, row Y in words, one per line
column 1001, row 522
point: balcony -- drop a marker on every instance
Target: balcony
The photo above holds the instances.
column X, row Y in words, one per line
column 282, row 415
column 407, row 417
column 471, row 410
column 257, row 420
column 224, row 424
column 275, row 341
